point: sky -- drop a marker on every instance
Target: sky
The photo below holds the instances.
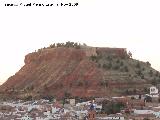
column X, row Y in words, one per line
column 132, row 24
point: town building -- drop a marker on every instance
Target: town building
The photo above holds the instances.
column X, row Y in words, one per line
column 154, row 92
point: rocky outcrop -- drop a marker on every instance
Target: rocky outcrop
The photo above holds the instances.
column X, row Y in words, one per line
column 71, row 72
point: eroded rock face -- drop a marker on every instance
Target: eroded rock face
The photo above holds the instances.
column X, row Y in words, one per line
column 54, row 54
column 56, row 70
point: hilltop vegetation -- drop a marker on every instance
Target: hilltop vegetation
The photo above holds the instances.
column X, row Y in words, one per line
column 66, row 45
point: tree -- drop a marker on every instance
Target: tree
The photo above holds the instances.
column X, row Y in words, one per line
column 99, row 65
column 84, row 44
column 28, row 98
column 130, row 54
column 52, row 45
column 139, row 73
column 143, row 68
column 142, row 76
column 104, row 83
column 80, row 83
column 126, row 69
column 116, row 67
column 109, row 66
column 146, row 90
column 58, row 45
column 127, row 92
column 93, row 58
column 117, row 61
column 148, row 63
column 154, row 82
column 138, row 65
column 121, row 64
column 135, row 91
column 67, row 94
column 157, row 73
column 111, row 107
column 109, row 58
column 104, row 66
column 151, row 73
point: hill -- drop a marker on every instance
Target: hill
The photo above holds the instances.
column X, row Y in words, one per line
column 72, row 69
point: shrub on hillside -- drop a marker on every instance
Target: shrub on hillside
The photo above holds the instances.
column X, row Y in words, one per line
column 151, row 73
column 116, row 67
column 67, row 94
column 109, row 58
column 103, row 83
column 67, row 44
column 143, row 69
column 48, row 97
column 104, row 66
column 154, row 82
column 109, row 66
column 112, row 107
column 148, row 64
column 142, row 76
column 157, row 74
column 121, row 63
column 93, row 58
column 126, row 69
column 79, row 83
column 139, row 73
column 28, row 98
column 117, row 61
column 138, row 65
column 99, row 65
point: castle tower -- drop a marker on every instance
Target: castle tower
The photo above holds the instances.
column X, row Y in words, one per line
column 92, row 112
column 91, row 115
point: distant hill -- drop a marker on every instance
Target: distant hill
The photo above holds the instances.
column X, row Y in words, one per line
column 71, row 69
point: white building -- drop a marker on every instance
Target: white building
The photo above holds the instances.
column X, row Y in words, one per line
column 153, row 92
column 72, row 102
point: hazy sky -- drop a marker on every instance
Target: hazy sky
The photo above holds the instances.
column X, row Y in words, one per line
column 133, row 24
